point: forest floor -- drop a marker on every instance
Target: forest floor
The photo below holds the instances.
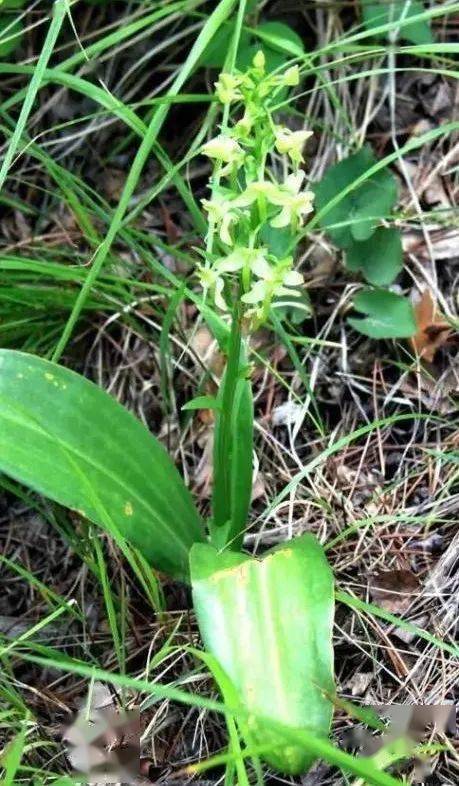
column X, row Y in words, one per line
column 385, row 504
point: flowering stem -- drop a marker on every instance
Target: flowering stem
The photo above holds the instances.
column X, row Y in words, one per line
column 248, row 276
column 221, row 501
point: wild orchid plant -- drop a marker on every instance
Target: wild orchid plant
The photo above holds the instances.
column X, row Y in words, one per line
column 280, row 607
column 266, row 622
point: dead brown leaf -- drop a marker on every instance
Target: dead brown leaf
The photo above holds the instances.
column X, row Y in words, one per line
column 433, row 332
column 394, row 590
column 172, row 230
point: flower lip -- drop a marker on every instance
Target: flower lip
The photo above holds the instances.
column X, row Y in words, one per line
column 273, row 280
column 210, row 279
column 291, row 142
column 220, row 210
column 223, row 148
column 295, row 203
column 226, row 150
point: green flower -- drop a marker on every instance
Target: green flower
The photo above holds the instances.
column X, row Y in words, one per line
column 242, row 258
column 259, row 61
column 294, row 202
column 291, row 78
column 211, row 280
column 291, row 142
column 227, row 88
column 273, row 281
column 226, row 150
column 219, row 210
column 255, row 190
column 244, row 126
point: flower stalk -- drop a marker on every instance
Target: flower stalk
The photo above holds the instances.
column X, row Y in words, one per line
column 241, row 273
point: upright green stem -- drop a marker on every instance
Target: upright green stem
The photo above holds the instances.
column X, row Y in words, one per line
column 223, row 426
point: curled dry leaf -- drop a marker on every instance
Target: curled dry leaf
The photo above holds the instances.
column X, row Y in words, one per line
column 394, row 590
column 433, row 331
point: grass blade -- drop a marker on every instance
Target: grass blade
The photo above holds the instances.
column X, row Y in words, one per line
column 215, row 20
column 59, row 10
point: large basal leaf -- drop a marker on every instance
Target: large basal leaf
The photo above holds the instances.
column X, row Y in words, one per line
column 356, row 216
column 388, row 315
column 379, row 259
column 66, row 438
column 269, row 622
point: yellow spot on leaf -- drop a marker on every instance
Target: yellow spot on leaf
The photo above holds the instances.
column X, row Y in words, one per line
column 239, row 574
column 49, row 377
column 128, row 509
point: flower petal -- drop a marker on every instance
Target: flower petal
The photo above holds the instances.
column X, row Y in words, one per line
column 282, row 220
column 286, row 291
column 294, row 181
column 231, row 263
column 256, row 294
column 225, row 234
column 218, row 296
column 261, row 267
column 293, row 279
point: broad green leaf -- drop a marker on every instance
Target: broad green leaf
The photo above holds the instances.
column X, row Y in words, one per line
column 281, row 38
column 278, row 41
column 379, row 259
column 388, row 315
column 67, row 439
column 11, row 32
column 215, row 53
column 356, row 216
column 268, row 622
column 202, row 402
column 382, row 13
